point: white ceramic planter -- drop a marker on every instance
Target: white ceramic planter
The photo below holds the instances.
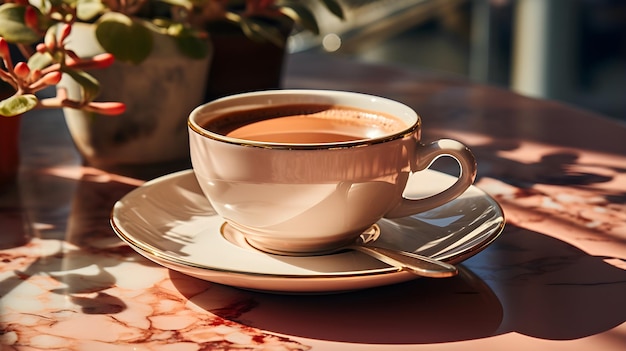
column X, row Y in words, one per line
column 159, row 94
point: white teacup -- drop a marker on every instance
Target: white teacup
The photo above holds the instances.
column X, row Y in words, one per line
column 314, row 179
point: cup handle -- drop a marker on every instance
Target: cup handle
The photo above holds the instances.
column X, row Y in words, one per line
column 426, row 155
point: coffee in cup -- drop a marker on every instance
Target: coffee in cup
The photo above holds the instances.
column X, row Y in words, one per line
column 301, row 172
column 305, row 124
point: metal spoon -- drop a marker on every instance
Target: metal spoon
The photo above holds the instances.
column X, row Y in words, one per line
column 414, row 263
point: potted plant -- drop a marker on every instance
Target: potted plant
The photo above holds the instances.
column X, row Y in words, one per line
column 20, row 81
column 244, row 29
column 44, row 68
column 123, row 29
column 142, row 37
column 150, row 44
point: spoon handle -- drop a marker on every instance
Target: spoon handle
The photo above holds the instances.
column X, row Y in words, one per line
column 416, row 264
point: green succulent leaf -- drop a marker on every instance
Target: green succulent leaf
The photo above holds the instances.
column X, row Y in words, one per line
column 302, row 15
column 89, row 85
column 16, row 105
column 261, row 31
column 192, row 47
column 89, row 9
column 126, row 38
column 39, row 61
column 187, row 4
column 335, row 8
column 188, row 43
column 13, row 28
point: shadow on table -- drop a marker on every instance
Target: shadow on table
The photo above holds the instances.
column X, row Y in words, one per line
column 75, row 207
column 531, row 284
column 420, row 311
column 406, row 313
column 551, row 289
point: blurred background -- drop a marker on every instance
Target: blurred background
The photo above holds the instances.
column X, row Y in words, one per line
column 573, row 51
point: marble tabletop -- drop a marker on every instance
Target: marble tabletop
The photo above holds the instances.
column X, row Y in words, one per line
column 555, row 279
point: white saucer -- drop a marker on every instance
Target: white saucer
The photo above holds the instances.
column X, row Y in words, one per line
column 169, row 221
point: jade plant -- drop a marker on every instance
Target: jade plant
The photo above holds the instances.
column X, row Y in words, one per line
column 124, row 29
column 257, row 18
column 45, row 68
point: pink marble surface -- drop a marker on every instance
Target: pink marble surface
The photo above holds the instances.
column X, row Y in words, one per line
column 554, row 280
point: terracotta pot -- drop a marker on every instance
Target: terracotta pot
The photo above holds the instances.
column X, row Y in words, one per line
column 159, row 94
column 9, row 142
column 240, row 64
column 9, row 149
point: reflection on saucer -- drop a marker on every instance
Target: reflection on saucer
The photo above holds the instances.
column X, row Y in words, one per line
column 169, row 221
column 236, row 237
